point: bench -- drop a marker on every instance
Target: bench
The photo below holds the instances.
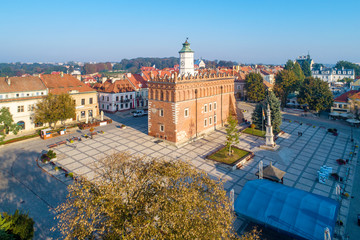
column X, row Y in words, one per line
column 61, row 143
column 52, row 145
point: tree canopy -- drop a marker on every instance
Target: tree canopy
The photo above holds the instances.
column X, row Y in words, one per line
column 232, row 134
column 255, row 88
column 285, row 83
column 7, row 123
column 305, row 66
column 54, row 108
column 316, row 94
column 135, row 197
column 16, row 226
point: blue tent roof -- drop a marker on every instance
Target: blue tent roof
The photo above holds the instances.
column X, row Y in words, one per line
column 299, row 213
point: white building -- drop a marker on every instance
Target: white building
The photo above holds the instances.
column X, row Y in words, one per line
column 186, row 60
column 20, row 95
column 332, row 75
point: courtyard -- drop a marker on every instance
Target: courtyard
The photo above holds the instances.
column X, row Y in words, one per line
column 299, row 156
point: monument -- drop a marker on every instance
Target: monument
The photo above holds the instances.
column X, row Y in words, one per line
column 269, row 136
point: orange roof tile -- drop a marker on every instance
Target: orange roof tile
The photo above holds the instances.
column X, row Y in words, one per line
column 58, row 84
column 21, row 84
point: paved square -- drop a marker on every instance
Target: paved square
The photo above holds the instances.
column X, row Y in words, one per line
column 300, row 157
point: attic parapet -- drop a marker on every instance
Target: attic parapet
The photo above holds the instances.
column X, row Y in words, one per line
column 173, row 78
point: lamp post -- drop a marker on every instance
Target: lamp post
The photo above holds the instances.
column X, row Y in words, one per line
column 221, row 105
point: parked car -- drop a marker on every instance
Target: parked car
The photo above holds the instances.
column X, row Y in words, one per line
column 139, row 113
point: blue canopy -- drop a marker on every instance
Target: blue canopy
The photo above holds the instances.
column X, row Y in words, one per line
column 300, row 214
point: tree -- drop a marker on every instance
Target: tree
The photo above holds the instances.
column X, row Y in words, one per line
column 66, row 107
column 259, row 114
column 7, row 123
column 135, row 197
column 255, row 87
column 16, row 226
column 289, row 65
column 232, row 134
column 305, row 66
column 53, row 108
column 299, row 74
column 316, row 94
column 285, row 83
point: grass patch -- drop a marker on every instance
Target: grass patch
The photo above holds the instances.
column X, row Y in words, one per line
column 222, row 155
column 19, row 139
column 255, row 132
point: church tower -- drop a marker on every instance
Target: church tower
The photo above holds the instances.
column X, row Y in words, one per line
column 186, row 60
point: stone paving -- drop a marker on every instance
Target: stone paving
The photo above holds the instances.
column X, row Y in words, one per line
column 301, row 157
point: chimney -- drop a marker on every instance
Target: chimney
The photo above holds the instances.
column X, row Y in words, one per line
column 128, row 74
column 7, row 79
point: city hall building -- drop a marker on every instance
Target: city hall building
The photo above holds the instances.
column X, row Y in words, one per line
column 188, row 104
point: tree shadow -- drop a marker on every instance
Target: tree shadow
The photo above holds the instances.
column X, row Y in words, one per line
column 26, row 187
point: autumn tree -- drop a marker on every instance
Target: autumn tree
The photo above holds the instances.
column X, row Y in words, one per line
column 255, row 88
column 305, row 66
column 134, row 197
column 7, row 124
column 54, row 108
column 316, row 94
column 285, row 83
column 232, row 134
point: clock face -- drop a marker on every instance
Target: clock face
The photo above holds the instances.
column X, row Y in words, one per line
column 182, row 63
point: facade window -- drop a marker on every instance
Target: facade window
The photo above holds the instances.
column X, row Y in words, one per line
column 30, row 108
column 90, row 113
column 103, row 98
column 83, row 101
column 82, row 114
column 161, row 112
column 205, row 108
column 214, row 105
column 17, row 95
column 126, row 105
column 162, row 128
column 340, row 105
column 37, row 93
column 214, row 119
column 90, row 100
column 205, row 122
column 210, row 107
column 122, row 106
column 130, row 96
column 186, row 112
column 117, row 98
column 102, row 106
column 210, row 120
column 20, row 108
column 74, row 102
column 1, row 96
column 107, row 107
column 42, row 93
column 107, row 98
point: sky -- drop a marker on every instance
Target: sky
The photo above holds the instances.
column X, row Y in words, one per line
column 252, row 31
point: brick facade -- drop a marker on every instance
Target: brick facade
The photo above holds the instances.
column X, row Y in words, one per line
column 182, row 108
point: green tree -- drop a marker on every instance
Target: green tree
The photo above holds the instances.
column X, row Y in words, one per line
column 135, row 197
column 299, row 74
column 255, row 88
column 305, row 66
column 18, row 226
column 7, row 123
column 289, row 65
column 53, row 108
column 66, row 106
column 232, row 134
column 316, row 94
column 285, row 83
column 259, row 115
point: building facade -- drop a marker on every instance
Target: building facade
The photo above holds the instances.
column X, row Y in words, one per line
column 20, row 95
column 182, row 107
column 86, row 102
column 332, row 75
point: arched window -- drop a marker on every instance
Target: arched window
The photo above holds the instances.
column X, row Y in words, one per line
column 21, row 124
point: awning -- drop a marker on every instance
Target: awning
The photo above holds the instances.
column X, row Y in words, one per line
column 351, row 120
column 298, row 213
column 335, row 114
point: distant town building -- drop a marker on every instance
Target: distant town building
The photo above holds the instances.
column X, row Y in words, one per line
column 85, row 97
column 185, row 106
column 332, row 75
column 20, row 95
column 200, row 63
column 344, row 102
column 355, row 85
column 302, row 59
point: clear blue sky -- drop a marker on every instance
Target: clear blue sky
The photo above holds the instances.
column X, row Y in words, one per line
column 252, row 31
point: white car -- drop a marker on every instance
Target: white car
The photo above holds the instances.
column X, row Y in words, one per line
column 139, row 113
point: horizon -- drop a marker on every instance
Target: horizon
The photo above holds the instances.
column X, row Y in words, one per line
column 258, row 32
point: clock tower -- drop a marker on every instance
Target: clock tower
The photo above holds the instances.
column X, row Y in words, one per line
column 186, row 60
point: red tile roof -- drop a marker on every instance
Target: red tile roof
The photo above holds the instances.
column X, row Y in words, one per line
column 118, row 86
column 21, row 84
column 137, row 80
column 345, row 96
column 58, row 84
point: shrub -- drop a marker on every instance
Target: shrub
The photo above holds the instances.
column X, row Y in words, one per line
column 22, row 226
column 123, row 125
column 51, row 154
column 56, row 168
